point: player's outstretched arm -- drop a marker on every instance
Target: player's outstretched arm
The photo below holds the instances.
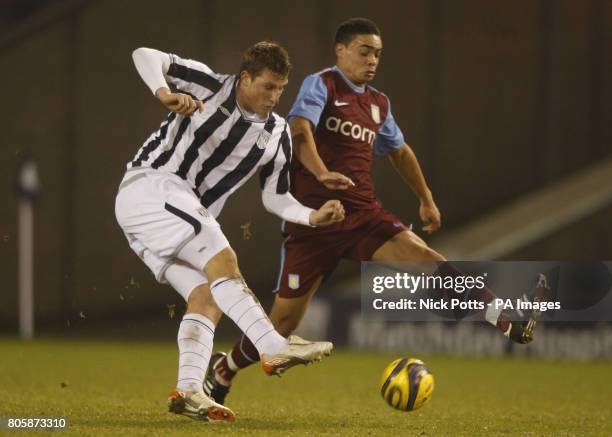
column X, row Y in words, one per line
column 288, row 208
column 405, row 163
column 151, row 65
column 305, row 149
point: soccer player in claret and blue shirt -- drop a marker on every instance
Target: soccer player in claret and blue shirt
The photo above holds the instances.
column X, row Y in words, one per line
column 338, row 122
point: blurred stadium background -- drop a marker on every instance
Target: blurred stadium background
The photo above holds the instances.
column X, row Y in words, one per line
column 507, row 105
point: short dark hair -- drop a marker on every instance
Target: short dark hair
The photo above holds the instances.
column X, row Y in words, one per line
column 355, row 26
column 266, row 54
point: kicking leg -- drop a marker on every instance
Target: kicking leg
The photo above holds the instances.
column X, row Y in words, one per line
column 286, row 314
column 238, row 302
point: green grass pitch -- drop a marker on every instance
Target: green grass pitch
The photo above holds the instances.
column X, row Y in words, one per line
column 117, row 389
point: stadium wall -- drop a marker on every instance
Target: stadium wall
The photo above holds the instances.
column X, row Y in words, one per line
column 497, row 99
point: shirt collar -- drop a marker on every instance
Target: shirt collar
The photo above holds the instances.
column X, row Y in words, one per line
column 357, row 89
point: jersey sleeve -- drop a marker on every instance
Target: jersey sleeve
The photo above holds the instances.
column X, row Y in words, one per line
column 286, row 207
column 311, row 100
column 274, row 176
column 193, row 77
column 389, row 137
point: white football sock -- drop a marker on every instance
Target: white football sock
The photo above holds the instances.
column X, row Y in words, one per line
column 492, row 313
column 195, row 342
column 240, row 304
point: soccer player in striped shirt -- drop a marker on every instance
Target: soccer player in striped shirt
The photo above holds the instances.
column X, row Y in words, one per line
column 339, row 121
column 220, row 131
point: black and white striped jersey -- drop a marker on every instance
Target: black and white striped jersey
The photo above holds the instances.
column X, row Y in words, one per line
column 219, row 149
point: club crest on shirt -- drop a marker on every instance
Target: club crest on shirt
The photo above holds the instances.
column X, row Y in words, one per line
column 263, row 139
column 375, row 113
column 294, row 281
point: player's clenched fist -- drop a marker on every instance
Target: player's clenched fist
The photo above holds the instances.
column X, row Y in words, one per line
column 331, row 212
column 430, row 215
column 178, row 102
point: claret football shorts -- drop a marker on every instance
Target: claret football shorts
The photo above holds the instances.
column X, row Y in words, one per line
column 167, row 227
column 308, row 253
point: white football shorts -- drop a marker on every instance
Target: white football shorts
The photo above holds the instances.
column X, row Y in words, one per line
column 167, row 227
